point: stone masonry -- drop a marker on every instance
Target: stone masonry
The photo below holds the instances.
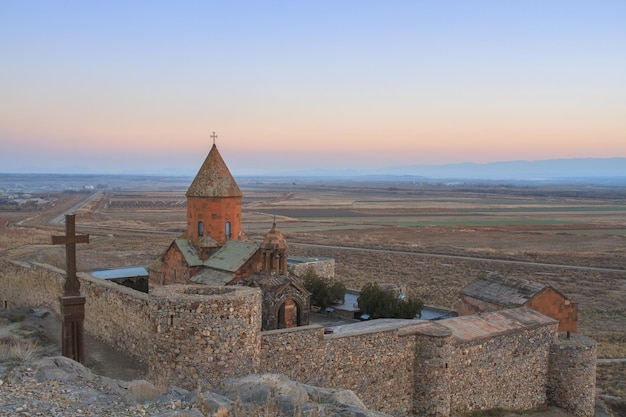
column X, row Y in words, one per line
column 196, row 336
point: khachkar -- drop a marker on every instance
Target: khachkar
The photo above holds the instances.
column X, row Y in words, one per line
column 72, row 303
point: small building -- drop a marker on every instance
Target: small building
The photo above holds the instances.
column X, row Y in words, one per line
column 323, row 267
column 497, row 292
column 135, row 277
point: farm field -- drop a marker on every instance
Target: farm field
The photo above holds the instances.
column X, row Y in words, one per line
column 430, row 239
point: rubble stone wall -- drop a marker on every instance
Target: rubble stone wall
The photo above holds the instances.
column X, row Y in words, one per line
column 323, row 267
column 114, row 313
column 573, row 374
column 203, row 334
column 196, row 336
column 508, row 371
column 377, row 364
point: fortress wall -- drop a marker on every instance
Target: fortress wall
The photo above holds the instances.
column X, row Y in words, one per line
column 30, row 285
column 508, row 370
column 323, row 267
column 118, row 315
column 204, row 334
column 113, row 313
column 572, row 378
column 433, row 355
column 377, row 365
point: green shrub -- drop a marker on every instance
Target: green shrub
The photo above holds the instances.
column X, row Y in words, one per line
column 324, row 291
column 379, row 303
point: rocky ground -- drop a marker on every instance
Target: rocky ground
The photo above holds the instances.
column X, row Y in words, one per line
column 35, row 381
column 35, row 384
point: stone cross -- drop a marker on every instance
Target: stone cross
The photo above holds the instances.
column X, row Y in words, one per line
column 72, row 286
column 72, row 303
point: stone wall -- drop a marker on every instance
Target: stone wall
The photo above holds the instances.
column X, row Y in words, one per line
column 116, row 314
column 204, row 334
column 195, row 336
column 324, row 267
column 506, row 371
column 433, row 355
column 377, row 364
column 573, row 374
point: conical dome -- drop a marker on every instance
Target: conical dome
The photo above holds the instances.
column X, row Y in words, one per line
column 274, row 240
column 214, row 179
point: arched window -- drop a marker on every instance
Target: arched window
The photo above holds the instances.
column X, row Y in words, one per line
column 228, row 230
column 200, row 229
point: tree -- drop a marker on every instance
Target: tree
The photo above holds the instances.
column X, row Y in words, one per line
column 379, row 303
column 324, row 291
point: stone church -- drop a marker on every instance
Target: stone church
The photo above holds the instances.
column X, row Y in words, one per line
column 214, row 250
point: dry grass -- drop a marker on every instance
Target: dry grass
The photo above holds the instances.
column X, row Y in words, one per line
column 611, row 378
column 21, row 349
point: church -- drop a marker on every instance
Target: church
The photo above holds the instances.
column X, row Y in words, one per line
column 214, row 250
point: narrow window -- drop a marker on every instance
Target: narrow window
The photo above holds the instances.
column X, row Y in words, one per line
column 200, row 229
column 174, row 278
column 228, row 230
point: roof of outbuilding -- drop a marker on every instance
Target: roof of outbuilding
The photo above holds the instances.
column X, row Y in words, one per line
column 486, row 325
column 214, row 179
column 130, row 272
column 503, row 290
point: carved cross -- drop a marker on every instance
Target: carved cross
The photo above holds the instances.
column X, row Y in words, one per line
column 72, row 286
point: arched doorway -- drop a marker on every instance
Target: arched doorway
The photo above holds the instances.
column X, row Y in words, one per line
column 288, row 314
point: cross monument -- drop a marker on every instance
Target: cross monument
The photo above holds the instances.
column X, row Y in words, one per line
column 72, row 303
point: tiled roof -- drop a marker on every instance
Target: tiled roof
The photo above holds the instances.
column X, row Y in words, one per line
column 214, row 179
column 505, row 291
column 189, row 252
column 274, row 239
column 232, row 255
column 212, row 277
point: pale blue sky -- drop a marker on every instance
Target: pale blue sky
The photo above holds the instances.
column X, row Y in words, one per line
column 113, row 86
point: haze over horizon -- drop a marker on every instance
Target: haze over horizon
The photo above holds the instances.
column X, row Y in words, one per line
column 138, row 87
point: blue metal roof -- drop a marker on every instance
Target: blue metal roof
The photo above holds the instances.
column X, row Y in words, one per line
column 130, row 272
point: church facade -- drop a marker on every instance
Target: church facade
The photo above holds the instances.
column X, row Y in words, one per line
column 214, row 251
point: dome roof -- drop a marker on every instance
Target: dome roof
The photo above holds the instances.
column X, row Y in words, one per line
column 214, row 179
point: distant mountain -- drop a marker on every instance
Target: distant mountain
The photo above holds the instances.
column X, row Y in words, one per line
column 550, row 169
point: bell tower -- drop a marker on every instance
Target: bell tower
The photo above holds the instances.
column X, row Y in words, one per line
column 274, row 250
column 213, row 202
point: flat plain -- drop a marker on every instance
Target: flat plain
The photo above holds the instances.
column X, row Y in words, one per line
column 429, row 238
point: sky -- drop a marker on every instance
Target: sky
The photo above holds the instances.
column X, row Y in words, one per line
column 139, row 86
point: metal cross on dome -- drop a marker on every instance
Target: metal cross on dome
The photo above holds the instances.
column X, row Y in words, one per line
column 214, row 136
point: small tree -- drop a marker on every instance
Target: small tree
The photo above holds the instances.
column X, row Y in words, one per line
column 379, row 303
column 324, row 291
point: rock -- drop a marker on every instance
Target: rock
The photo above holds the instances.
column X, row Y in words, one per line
column 267, row 390
column 287, row 398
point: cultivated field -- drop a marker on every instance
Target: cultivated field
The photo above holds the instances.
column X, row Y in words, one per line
column 430, row 239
